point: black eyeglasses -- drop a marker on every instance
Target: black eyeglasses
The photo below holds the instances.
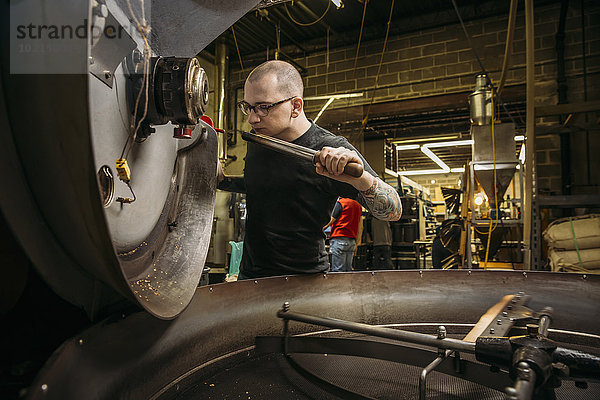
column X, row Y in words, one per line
column 262, row 110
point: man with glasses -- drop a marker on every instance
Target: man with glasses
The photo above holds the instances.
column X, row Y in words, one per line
column 288, row 200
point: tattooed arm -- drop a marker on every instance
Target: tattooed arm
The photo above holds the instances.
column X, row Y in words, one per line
column 382, row 200
column 377, row 196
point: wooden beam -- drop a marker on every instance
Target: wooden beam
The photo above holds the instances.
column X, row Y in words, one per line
column 487, row 318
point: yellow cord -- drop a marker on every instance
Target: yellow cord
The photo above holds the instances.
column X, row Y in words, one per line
column 310, row 23
column 490, row 229
column 359, row 38
column 238, row 51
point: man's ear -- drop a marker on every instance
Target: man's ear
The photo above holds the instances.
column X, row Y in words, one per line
column 297, row 106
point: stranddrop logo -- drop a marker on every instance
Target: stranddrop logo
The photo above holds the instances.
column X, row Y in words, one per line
column 53, row 36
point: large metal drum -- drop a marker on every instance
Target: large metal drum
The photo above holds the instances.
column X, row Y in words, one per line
column 212, row 341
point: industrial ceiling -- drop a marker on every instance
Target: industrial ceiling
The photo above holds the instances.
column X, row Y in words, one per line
column 282, row 26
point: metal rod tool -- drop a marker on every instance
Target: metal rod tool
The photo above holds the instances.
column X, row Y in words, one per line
column 352, row 168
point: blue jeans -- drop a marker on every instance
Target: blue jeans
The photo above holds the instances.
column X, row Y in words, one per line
column 342, row 251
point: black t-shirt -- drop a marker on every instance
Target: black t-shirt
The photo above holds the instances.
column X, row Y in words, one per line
column 287, row 205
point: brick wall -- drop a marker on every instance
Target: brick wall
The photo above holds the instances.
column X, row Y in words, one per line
column 438, row 61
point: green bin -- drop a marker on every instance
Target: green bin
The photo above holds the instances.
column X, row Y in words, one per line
column 236, row 258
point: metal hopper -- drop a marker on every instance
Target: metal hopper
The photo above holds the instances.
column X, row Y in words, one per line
column 484, row 161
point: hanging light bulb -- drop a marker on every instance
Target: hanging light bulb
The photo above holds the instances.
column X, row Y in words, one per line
column 479, row 199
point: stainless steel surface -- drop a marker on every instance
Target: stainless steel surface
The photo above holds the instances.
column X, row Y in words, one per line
column 161, row 239
column 480, row 102
column 182, row 28
column 499, row 151
column 502, row 148
column 196, row 90
column 107, row 53
column 139, row 355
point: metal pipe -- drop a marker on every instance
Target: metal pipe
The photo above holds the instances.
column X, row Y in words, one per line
column 524, row 385
column 543, row 325
column 423, row 377
column 281, row 145
column 544, row 322
column 235, row 115
column 530, row 129
column 396, row 334
column 221, row 59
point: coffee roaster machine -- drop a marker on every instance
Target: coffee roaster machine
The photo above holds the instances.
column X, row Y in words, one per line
column 112, row 197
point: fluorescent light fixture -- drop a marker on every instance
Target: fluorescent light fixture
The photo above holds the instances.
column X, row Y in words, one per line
column 331, row 99
column 407, row 147
column 323, row 109
column 431, row 171
column 519, row 138
column 467, row 142
column 426, row 150
column 425, row 139
column 334, row 96
column 422, row 172
column 435, row 159
column 338, row 3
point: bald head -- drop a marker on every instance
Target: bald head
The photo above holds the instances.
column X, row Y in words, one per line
column 289, row 82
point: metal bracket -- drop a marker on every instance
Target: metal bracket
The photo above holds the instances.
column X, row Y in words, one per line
column 109, row 48
column 514, row 311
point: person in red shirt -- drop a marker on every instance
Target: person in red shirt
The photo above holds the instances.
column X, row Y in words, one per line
column 344, row 228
